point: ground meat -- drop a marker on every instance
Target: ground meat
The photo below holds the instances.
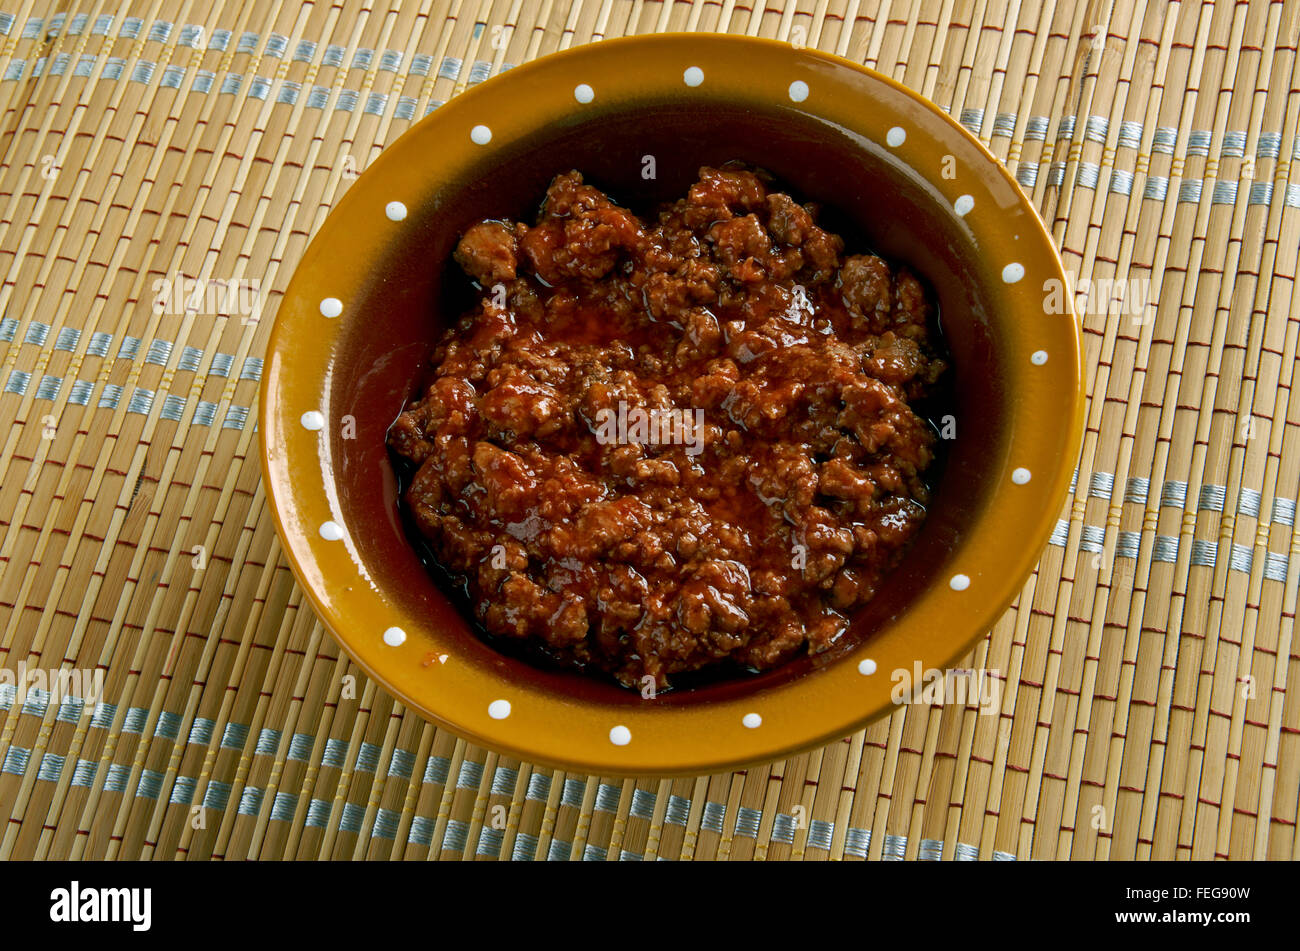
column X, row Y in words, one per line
column 488, row 252
column 656, row 447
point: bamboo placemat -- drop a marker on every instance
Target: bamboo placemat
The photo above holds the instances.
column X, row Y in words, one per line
column 1147, row 663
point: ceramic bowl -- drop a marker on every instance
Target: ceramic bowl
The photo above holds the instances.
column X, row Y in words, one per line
column 377, row 285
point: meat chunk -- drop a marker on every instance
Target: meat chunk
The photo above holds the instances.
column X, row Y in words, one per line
column 868, row 291
column 789, row 222
column 489, row 253
column 581, row 233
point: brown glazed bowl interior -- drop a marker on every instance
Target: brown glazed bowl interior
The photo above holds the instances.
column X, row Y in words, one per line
column 1015, row 391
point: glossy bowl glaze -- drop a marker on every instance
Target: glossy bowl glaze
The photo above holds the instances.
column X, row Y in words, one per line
column 377, row 285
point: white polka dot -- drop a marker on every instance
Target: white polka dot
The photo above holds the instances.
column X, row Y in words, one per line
column 1038, row 358
column 866, row 667
column 752, row 720
column 331, row 307
column 959, row 582
column 1013, row 272
column 1020, row 476
column 963, row 205
column 896, row 136
column 583, row 93
column 693, row 76
column 499, row 709
column 480, row 135
column 394, row 637
column 313, row 420
column 798, row 90
column 331, row 531
column 395, row 211
column 620, row 736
